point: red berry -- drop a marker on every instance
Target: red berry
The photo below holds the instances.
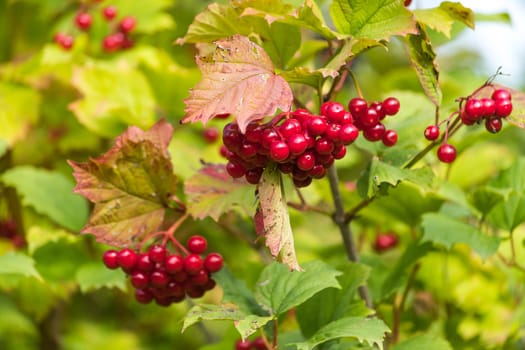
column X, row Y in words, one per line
column 503, row 108
column 109, row 12
column 193, row 263
column 254, row 132
column 175, row 289
column 302, row 183
column 474, row 108
column 210, row 135
column 174, row 264
column 253, row 176
column 113, row 42
column 332, row 133
column 258, row 344
column 318, row 171
column 235, row 170
column 268, row 137
column 390, row 106
column 213, row 262
column 446, row 153
column 317, row 126
column 324, row 146
column 385, row 241
column 334, row 111
column 243, row 344
column 127, row 258
column 306, row 161
column 143, row 296
column 290, row 127
column 200, row 279
column 374, row 133
column 389, row 138
column 489, row 106
column 493, row 124
column 157, row 253
column 64, row 40
column 180, row 277
column 159, row 279
column 501, row 94
column 209, row 285
column 110, row 259
column 370, row 118
column 358, row 107
column 279, row 151
column 378, row 106
column 144, row 263
column 339, row 152
column 408, row 2
column 348, row 134
column 194, row 292
column 297, row 144
column 432, row 132
column 247, row 150
column 127, row 24
column 83, row 20
column 139, row 280
column 197, row 244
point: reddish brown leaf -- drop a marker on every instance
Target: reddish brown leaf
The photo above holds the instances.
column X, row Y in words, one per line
column 131, row 185
column 212, row 192
column 275, row 218
column 239, row 79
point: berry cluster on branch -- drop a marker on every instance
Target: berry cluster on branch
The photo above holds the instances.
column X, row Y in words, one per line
column 302, row 144
column 164, row 276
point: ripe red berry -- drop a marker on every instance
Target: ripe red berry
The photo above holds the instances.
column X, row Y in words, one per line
column 253, row 176
column 127, row 258
column 324, row 146
column 390, row 106
column 374, row 133
column 213, row 262
column 317, row 126
column 389, row 138
column 370, row 118
column 334, row 111
column 474, row 108
column 174, row 264
column 159, row 279
column 258, row 344
column 408, row 2
column 109, row 12
column 64, row 40
column 501, row 94
column 143, row 296
column 268, row 137
column 385, row 241
column 339, row 152
column 210, row 135
column 197, row 244
column 446, row 153
column 302, row 183
column 247, row 150
column 290, row 127
column 194, row 291
column 110, row 259
column 127, row 24
column 318, row 171
column 193, row 263
column 358, row 107
column 157, row 253
column 297, row 144
column 243, row 344
column 306, row 161
column 489, row 107
column 235, row 170
column 113, row 42
column 279, row 151
column 200, row 278
column 348, row 134
column 503, row 108
column 144, row 263
column 83, row 20
column 139, row 280
column 432, row 132
column 493, row 124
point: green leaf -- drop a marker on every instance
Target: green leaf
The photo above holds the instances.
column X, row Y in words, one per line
column 423, row 59
column 307, row 76
column 213, row 192
column 131, row 185
column 150, row 16
column 95, row 275
column 113, row 97
column 369, row 330
column 441, row 229
column 486, row 198
column 38, row 236
column 382, row 173
column 442, row 18
column 18, row 264
column 49, row 193
column 235, row 291
column 19, row 107
column 274, row 218
column 378, row 20
column 279, row 289
column 423, row 341
column 332, row 304
column 245, row 324
column 284, row 42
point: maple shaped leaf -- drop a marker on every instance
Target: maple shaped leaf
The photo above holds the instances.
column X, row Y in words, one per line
column 239, row 79
column 131, row 185
column 273, row 219
column 212, row 192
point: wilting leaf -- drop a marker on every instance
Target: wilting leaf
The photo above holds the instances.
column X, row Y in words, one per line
column 131, row 185
column 239, row 79
column 275, row 218
column 212, row 192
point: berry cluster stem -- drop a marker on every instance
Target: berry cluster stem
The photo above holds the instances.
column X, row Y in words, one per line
column 344, row 227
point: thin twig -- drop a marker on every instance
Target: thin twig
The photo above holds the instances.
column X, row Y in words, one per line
column 398, row 309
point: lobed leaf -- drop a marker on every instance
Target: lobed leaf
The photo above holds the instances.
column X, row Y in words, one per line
column 442, row 18
column 442, row 229
column 369, row 330
column 423, row 59
column 213, row 192
column 20, row 264
column 239, row 79
column 279, row 289
column 235, row 292
column 131, row 185
column 49, row 193
column 378, row 20
column 273, row 219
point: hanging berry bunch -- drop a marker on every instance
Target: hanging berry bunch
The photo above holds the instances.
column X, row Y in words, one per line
column 164, row 276
column 303, row 144
column 119, row 36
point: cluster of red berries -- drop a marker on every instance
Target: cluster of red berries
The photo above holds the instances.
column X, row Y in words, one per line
column 385, row 241
column 492, row 110
column 302, row 144
column 118, row 39
column 164, row 277
column 255, row 344
column 8, row 230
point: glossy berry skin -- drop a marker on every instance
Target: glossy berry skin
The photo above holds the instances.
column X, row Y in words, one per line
column 317, row 126
column 390, row 106
column 109, row 12
column 334, row 111
column 432, row 132
column 83, row 20
column 139, row 280
column 253, row 176
column 258, row 344
column 193, row 263
column 297, row 144
column 110, row 259
column 157, row 253
column 144, row 263
column 474, row 108
column 501, row 94
column 174, row 264
column 279, row 151
column 489, row 107
column 127, row 24
column 306, row 161
column 235, row 170
column 290, row 127
column 243, row 344
column 159, row 279
column 370, row 118
column 197, row 244
column 213, row 262
column 385, row 241
column 389, row 138
column 374, row 133
column 357, row 106
column 210, row 135
column 127, row 258
column 493, row 124
column 348, row 134
column 503, row 108
column 446, row 153
column 143, row 296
